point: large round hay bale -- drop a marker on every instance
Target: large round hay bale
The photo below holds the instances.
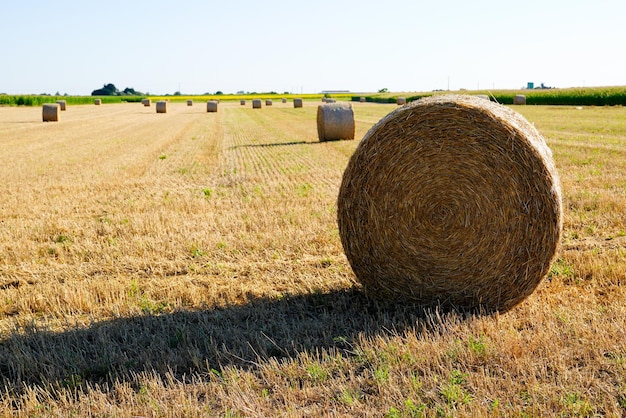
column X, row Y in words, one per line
column 189, row 102
column 268, row 102
column 284, row 100
column 401, row 101
column 97, row 102
column 297, row 102
column 62, row 105
column 51, row 112
column 256, row 103
column 335, row 121
column 362, row 99
column 161, row 106
column 211, row 106
column 453, row 200
column 519, row 99
column 242, row 102
column 146, row 102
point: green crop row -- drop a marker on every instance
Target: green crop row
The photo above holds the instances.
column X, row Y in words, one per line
column 590, row 96
column 38, row 100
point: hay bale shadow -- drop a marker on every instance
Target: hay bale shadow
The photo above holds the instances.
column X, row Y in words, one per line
column 194, row 342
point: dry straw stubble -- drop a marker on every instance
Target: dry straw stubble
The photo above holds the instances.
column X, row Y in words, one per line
column 51, row 112
column 453, row 200
column 335, row 121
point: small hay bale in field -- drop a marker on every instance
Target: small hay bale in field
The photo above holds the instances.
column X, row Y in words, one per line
column 146, row 102
column 62, row 104
column 335, row 121
column 161, row 106
column 242, row 102
column 284, row 100
column 453, row 200
column 268, row 102
column 297, row 102
column 97, row 102
column 211, row 106
column 256, row 103
column 401, row 101
column 519, row 99
column 51, row 112
column 362, row 99
column 189, row 102
column 483, row 96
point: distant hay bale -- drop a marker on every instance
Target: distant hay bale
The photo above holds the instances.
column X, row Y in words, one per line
column 189, row 102
column 211, row 106
column 401, row 101
column 161, row 106
column 297, row 102
column 519, row 99
column 97, row 102
column 242, row 102
column 256, row 103
column 362, row 99
column 483, row 96
column 268, row 102
column 146, row 102
column 453, row 200
column 331, row 100
column 284, row 100
column 335, row 121
column 62, row 104
column 51, row 112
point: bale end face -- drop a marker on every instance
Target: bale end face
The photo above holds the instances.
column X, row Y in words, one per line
column 161, row 106
column 452, row 200
column 256, row 103
column 335, row 121
column 189, row 102
column 51, row 112
column 519, row 99
column 211, row 106
column 297, row 103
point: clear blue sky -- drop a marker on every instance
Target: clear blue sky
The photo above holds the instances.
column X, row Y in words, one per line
column 200, row 46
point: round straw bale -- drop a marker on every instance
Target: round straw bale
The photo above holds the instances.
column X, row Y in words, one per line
column 242, row 102
column 161, row 106
column 211, row 106
column 362, row 99
column 401, row 101
column 62, row 104
column 97, row 102
column 268, row 102
column 297, row 102
column 51, row 112
column 189, row 102
column 335, row 121
column 452, row 200
column 256, row 103
column 284, row 100
column 519, row 99
column 146, row 102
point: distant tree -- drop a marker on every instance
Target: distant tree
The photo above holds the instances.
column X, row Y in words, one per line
column 131, row 91
column 106, row 90
column 383, row 90
column 218, row 93
column 176, row 93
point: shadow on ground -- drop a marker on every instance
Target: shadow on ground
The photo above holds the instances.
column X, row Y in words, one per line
column 192, row 342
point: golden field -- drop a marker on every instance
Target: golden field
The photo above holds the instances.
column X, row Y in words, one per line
column 189, row 264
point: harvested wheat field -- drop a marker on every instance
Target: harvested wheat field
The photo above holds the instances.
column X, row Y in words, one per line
column 189, row 264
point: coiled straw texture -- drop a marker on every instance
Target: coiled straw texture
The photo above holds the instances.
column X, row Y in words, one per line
column 451, row 200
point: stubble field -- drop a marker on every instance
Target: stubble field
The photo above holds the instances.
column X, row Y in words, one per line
column 189, row 264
